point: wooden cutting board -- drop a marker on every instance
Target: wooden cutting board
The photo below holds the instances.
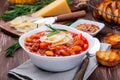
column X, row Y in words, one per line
column 5, row 26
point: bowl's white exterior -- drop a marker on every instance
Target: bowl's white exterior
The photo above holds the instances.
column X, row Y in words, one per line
column 56, row 63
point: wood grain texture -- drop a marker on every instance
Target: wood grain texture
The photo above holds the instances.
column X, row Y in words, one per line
column 6, row 64
column 12, row 62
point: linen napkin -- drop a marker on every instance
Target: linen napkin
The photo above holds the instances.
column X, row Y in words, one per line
column 28, row 71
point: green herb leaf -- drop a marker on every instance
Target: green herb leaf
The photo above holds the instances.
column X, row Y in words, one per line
column 69, row 2
column 68, row 23
column 15, row 38
column 11, row 50
column 37, row 25
column 53, row 30
column 52, row 33
column 49, row 26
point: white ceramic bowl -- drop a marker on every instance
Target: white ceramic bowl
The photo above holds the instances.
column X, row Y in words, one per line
column 56, row 63
column 82, row 21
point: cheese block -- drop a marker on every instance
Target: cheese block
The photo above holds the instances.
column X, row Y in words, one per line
column 55, row 8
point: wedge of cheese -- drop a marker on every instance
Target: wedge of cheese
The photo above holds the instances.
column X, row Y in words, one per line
column 55, row 8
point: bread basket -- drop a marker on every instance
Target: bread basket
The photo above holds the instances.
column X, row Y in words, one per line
column 107, row 11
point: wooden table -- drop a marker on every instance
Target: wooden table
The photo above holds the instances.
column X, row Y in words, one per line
column 8, row 63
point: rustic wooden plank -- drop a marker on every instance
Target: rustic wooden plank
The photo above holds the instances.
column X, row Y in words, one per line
column 5, row 40
column 12, row 62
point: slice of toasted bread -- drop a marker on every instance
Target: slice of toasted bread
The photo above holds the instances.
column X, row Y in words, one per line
column 113, row 39
column 108, row 58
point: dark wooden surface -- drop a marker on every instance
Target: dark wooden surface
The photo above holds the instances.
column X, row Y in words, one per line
column 6, row 64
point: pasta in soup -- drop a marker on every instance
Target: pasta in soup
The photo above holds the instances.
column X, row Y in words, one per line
column 56, row 43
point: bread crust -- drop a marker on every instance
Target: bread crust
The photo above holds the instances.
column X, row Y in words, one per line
column 113, row 39
column 108, row 58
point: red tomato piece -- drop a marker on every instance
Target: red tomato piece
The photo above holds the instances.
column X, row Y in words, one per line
column 44, row 44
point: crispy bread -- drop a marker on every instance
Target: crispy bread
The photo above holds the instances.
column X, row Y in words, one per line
column 108, row 58
column 113, row 39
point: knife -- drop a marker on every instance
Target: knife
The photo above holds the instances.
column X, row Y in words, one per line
column 63, row 17
column 91, row 52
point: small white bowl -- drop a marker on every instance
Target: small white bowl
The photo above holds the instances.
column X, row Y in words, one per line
column 82, row 21
column 61, row 63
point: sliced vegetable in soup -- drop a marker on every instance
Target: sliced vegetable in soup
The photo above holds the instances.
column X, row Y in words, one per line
column 56, row 42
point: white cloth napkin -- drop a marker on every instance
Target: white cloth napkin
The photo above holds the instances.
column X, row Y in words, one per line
column 28, row 71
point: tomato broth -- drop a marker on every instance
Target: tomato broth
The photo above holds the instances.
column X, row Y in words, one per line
column 76, row 44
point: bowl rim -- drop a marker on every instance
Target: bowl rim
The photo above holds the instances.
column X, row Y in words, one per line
column 22, row 37
column 89, row 4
